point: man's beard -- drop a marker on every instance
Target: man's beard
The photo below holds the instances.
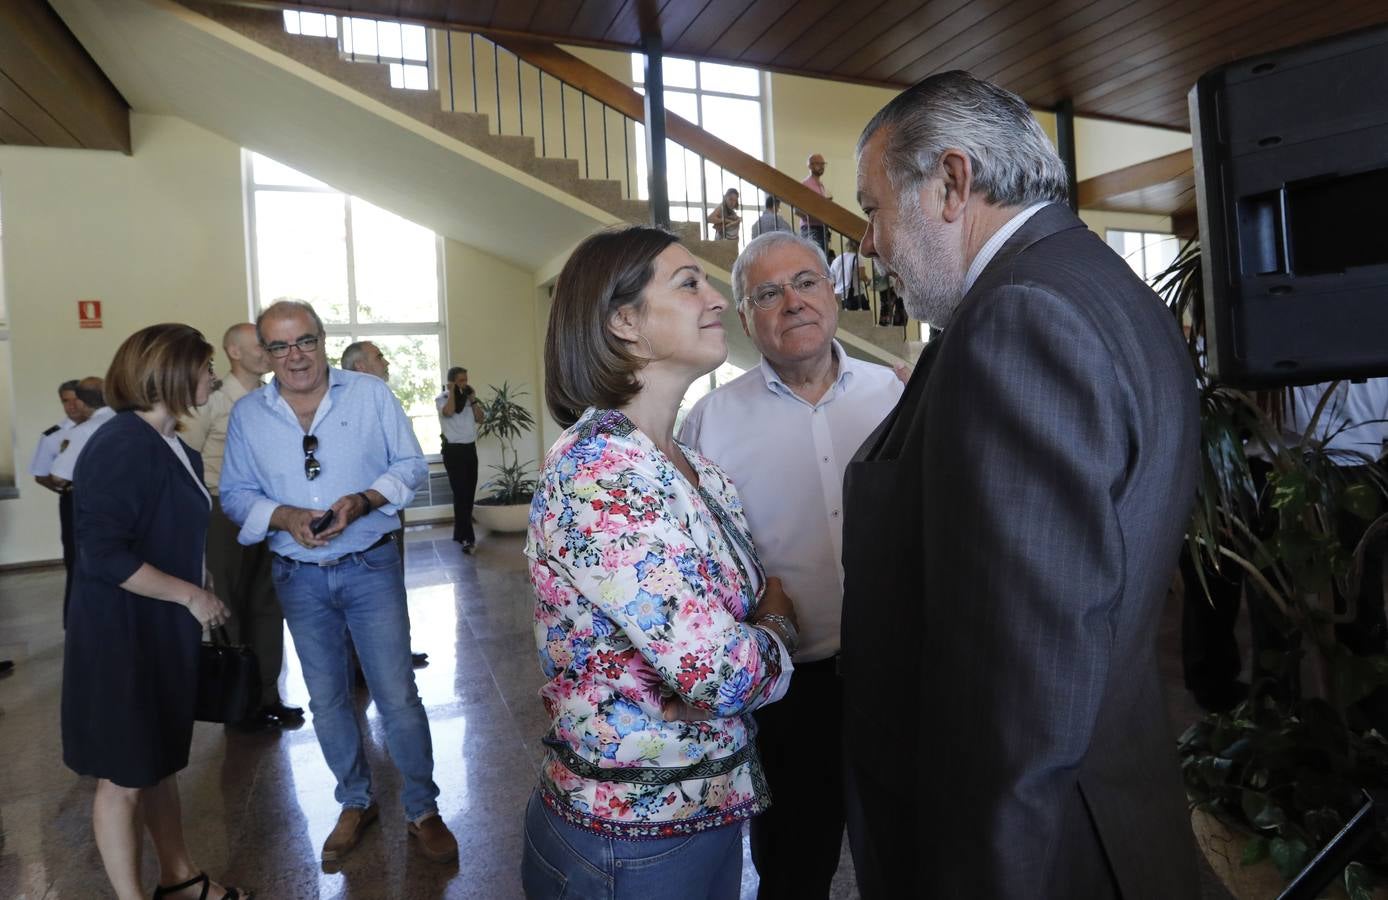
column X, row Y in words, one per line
column 931, row 276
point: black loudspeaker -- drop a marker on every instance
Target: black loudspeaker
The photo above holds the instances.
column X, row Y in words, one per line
column 1291, row 177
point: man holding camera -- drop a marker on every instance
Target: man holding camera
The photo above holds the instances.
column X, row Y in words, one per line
column 460, row 413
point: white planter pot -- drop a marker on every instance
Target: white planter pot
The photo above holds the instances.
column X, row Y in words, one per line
column 511, row 519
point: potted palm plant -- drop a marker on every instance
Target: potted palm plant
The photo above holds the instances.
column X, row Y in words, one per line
column 507, row 507
column 1272, row 780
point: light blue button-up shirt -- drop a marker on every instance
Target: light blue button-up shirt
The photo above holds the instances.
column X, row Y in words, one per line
column 364, row 442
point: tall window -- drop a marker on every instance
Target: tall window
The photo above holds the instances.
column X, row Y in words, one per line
column 371, row 275
column 405, row 48
column 725, row 101
column 1149, row 253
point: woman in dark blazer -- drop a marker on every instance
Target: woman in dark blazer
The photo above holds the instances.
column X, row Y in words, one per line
column 139, row 605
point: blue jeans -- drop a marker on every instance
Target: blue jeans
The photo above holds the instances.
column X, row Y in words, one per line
column 362, row 596
column 561, row 860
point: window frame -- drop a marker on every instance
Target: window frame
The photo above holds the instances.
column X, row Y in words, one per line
column 353, row 329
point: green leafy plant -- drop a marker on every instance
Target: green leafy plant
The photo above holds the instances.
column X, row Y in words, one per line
column 1285, row 767
column 507, row 420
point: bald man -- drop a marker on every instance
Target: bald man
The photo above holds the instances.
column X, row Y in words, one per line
column 810, row 227
column 364, row 356
column 241, row 575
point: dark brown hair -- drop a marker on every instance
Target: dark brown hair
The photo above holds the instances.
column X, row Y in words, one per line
column 585, row 363
column 158, row 364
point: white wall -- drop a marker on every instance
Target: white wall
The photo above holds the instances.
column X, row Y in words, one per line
column 156, row 236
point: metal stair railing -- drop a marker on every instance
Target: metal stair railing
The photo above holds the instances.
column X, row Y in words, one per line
column 574, row 111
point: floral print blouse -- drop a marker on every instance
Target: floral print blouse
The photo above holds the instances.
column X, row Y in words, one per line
column 641, row 593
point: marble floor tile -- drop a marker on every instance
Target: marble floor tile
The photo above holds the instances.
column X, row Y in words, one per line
column 257, row 807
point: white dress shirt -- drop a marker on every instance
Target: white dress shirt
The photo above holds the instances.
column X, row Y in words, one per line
column 787, row 459
column 1352, row 424
column 991, row 246
column 49, row 446
column 77, row 438
column 461, row 427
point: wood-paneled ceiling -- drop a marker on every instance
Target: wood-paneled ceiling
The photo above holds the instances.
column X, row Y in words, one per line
column 1130, row 60
column 51, row 92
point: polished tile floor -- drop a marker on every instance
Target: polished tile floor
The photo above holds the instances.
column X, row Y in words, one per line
column 258, row 806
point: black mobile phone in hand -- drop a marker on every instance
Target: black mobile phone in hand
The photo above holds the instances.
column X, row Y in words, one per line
column 322, row 522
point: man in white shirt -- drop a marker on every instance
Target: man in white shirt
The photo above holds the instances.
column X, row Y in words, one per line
column 847, row 274
column 459, row 415
column 241, row 575
column 367, row 358
column 89, row 399
column 50, row 444
column 51, row 441
column 784, row 431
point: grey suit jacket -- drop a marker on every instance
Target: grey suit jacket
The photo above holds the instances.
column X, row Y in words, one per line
column 1010, row 533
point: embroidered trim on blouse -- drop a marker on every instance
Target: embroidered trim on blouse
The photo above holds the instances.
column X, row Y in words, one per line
column 651, row 831
column 706, row 768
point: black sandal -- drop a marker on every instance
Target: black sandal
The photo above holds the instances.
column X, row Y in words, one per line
column 202, row 879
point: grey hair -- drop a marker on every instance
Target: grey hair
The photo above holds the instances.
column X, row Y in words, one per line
column 286, row 307
column 352, row 355
column 759, row 247
column 1013, row 162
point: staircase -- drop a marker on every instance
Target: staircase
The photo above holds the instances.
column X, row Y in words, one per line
column 436, row 108
column 474, row 129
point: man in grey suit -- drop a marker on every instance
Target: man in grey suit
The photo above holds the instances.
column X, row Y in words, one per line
column 1005, row 733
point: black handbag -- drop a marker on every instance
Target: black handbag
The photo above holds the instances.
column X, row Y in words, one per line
column 228, row 680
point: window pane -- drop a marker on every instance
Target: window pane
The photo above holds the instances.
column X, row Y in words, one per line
column 388, row 36
column 736, row 121
column 416, row 45
column 729, row 79
column 396, row 267
column 416, row 378
column 679, row 73
column 683, row 104
column 265, row 170
column 301, row 250
column 1160, row 253
column 360, row 38
column 417, row 78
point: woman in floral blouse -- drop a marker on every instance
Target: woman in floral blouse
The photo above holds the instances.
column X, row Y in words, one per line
column 656, row 627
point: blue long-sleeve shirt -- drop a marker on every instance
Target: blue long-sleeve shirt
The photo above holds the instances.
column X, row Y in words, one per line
column 364, row 442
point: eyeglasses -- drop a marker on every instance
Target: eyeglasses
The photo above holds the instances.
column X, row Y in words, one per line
column 279, row 349
column 768, row 295
column 312, row 467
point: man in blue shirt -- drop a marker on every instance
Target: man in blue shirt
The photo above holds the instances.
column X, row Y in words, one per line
column 318, row 462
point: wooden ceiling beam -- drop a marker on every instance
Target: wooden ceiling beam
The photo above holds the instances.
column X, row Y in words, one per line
column 1172, row 172
column 51, row 87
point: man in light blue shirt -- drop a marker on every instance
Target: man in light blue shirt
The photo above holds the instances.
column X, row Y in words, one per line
column 318, row 462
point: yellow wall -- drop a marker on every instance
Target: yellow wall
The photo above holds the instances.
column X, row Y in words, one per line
column 156, row 236
column 492, row 309
column 159, row 236
column 810, row 115
column 1105, row 146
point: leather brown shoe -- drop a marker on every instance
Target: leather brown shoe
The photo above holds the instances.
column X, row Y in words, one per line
column 348, row 830
column 435, row 840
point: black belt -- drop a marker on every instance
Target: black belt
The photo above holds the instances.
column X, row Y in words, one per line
column 384, row 539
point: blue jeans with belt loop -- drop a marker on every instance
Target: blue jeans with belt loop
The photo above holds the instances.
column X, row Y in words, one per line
column 362, row 594
column 561, row 860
